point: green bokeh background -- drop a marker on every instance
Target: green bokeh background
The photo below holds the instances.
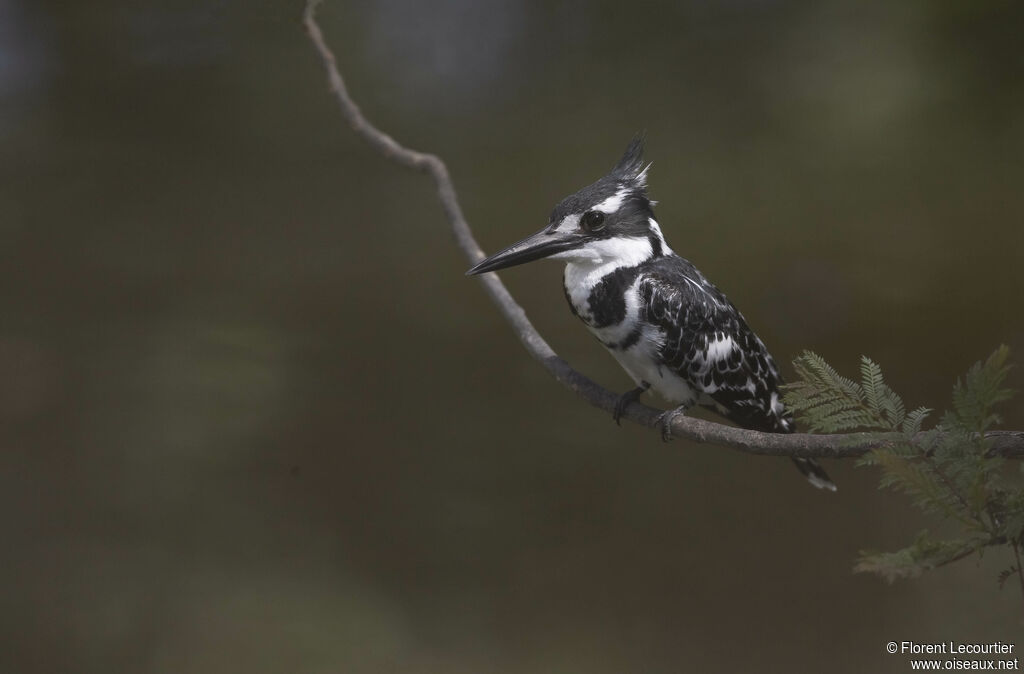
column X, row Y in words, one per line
column 253, row 417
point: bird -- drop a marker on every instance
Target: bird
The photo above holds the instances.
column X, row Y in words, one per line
column 673, row 331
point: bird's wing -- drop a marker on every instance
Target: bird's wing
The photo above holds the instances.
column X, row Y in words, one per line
column 708, row 343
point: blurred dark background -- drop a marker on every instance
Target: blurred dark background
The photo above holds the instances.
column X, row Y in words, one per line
column 253, row 417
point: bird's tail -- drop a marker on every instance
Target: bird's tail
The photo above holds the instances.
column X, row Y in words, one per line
column 811, row 469
column 814, row 473
column 782, row 422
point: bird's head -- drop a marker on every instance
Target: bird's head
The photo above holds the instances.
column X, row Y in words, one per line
column 609, row 220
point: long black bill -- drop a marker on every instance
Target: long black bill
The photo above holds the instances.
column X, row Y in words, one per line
column 540, row 245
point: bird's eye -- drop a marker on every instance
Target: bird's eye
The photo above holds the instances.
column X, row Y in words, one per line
column 593, row 221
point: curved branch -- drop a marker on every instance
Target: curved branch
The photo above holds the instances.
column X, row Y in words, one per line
column 1008, row 443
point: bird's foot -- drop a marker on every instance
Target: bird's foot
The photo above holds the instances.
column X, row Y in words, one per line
column 665, row 421
column 626, row 398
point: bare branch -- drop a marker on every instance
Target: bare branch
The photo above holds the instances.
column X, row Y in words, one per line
column 1008, row 443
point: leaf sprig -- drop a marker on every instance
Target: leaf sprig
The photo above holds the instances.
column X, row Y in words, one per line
column 947, row 471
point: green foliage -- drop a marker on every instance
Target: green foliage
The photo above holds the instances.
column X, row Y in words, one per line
column 947, row 471
column 910, row 562
column 827, row 402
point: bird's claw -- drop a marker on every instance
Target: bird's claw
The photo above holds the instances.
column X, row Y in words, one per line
column 665, row 421
column 626, row 399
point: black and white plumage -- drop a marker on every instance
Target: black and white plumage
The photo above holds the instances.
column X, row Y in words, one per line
column 673, row 331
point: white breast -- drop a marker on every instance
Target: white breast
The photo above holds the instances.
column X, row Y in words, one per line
column 585, row 269
column 641, row 360
column 642, row 363
column 586, row 266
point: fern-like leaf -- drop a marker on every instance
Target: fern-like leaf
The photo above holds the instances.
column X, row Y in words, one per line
column 828, row 402
column 923, row 555
column 918, row 480
column 1004, row 575
column 945, row 471
column 872, row 383
column 980, row 390
column 912, row 424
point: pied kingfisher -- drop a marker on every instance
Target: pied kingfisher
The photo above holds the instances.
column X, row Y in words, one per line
column 671, row 330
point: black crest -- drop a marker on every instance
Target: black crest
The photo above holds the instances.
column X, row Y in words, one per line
column 631, row 167
column 629, row 172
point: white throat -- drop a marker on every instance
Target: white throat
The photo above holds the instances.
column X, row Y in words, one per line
column 626, row 251
column 588, row 265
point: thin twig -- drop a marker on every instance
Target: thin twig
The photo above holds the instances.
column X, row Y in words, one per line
column 837, row 446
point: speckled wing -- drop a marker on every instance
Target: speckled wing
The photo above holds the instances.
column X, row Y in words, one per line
column 707, row 343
